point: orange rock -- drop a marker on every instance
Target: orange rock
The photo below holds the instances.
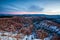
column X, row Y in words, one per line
column 41, row 34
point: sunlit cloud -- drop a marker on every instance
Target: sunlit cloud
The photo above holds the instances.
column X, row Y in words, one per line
column 21, row 13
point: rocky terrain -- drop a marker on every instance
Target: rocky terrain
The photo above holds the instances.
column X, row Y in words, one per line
column 39, row 26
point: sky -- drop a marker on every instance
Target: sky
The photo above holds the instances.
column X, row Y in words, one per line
column 50, row 7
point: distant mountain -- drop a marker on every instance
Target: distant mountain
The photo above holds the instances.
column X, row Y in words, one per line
column 47, row 16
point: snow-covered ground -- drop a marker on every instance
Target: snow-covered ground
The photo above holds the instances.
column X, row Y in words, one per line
column 26, row 37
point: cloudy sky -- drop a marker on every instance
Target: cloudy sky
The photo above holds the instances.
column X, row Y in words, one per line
column 51, row 7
